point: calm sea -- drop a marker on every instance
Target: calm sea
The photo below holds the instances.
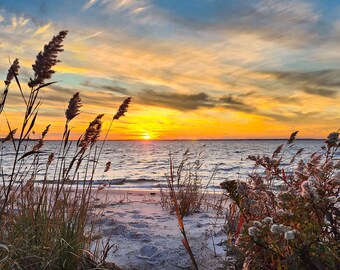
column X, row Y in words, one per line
column 144, row 164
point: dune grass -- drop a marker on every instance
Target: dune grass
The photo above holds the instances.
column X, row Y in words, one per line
column 47, row 224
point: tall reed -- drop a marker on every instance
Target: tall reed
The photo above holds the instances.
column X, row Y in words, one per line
column 45, row 223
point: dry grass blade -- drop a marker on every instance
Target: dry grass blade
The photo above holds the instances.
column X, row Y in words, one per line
column 30, row 153
column 11, row 134
column 31, row 125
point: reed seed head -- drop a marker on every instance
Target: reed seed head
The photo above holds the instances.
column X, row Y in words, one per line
column 107, row 166
column 92, row 133
column 40, row 142
column 73, row 107
column 13, row 70
column 10, row 136
column 45, row 131
column 122, row 108
column 50, row 159
column 47, row 59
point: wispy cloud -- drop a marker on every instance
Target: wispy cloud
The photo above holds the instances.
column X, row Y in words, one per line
column 43, row 29
column 89, row 4
column 19, row 21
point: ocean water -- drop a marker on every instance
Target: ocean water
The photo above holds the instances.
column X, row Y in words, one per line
column 144, row 164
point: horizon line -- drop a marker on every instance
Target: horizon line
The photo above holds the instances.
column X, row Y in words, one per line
column 224, row 139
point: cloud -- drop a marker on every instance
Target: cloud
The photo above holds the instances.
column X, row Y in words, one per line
column 182, row 102
column 322, row 78
column 111, row 88
column 91, row 98
column 288, row 22
column 92, row 35
column 128, row 6
column 89, row 4
column 19, row 21
column 43, row 29
column 231, row 100
column 325, row 83
column 241, row 108
column 287, row 99
column 117, row 89
column 321, row 92
column 238, row 103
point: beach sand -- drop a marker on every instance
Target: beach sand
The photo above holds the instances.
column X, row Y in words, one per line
column 147, row 237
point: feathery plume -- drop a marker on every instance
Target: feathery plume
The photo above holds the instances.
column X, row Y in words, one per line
column 29, row 185
column 122, row 109
column 332, row 139
column 107, row 166
column 45, row 131
column 40, row 142
column 92, row 133
column 47, row 59
column 10, row 135
column 292, row 137
column 13, row 70
column 73, row 107
column 50, row 159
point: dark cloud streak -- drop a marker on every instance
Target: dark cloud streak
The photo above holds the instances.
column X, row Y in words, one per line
column 182, row 102
column 325, row 83
column 321, row 92
column 111, row 88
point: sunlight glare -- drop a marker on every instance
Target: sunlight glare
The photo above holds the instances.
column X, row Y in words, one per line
column 146, row 136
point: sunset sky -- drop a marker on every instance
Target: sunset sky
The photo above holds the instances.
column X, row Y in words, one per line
column 194, row 68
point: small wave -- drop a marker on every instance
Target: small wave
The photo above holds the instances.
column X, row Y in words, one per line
column 229, row 169
column 124, row 181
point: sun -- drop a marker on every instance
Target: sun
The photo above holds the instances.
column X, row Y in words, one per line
column 146, row 136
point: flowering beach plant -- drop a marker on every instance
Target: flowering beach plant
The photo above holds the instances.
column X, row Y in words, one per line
column 287, row 217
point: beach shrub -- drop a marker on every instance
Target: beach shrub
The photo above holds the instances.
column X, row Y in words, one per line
column 46, row 223
column 287, row 216
column 185, row 192
column 185, row 183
